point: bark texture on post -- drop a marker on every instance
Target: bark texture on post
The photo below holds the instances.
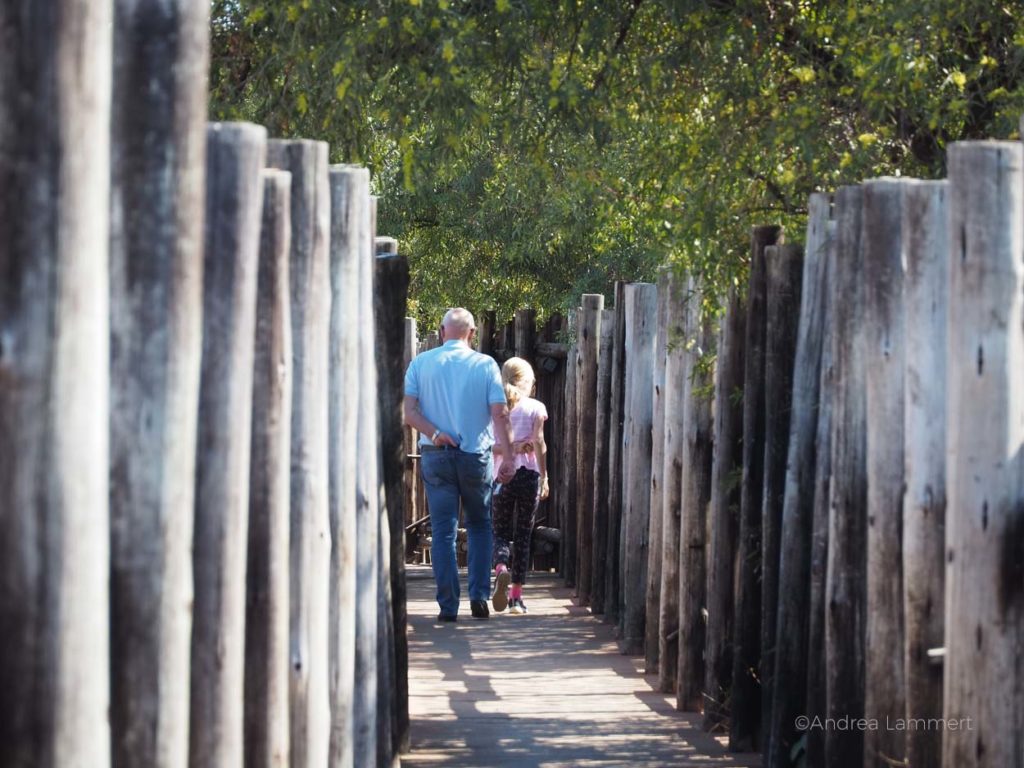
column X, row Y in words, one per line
column 266, row 615
column 391, row 288
column 310, row 546
column 652, row 632
column 601, row 478
column 746, row 694
column 789, row 683
column 485, row 338
column 884, row 697
column 157, row 171
column 984, row 444
column 567, row 503
column 613, row 566
column 727, row 459
column 696, row 496
column 55, row 63
column 784, row 273
column 526, row 335
column 589, row 339
column 350, row 240
column 411, row 436
column 641, row 329
column 234, row 204
column 846, row 580
column 926, row 255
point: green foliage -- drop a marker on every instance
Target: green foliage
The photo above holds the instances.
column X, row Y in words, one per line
column 526, row 151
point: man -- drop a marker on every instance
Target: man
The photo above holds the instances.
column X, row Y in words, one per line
column 452, row 397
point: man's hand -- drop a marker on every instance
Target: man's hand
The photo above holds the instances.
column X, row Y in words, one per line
column 506, row 472
column 443, row 438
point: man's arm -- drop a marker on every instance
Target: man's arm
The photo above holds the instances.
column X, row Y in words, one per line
column 414, row 418
column 503, row 434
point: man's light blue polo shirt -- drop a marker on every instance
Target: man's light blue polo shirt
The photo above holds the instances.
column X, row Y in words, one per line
column 456, row 388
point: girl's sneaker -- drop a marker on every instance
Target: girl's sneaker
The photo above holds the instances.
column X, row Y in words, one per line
column 500, row 597
column 517, row 606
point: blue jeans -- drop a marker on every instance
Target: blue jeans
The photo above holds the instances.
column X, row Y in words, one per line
column 448, row 476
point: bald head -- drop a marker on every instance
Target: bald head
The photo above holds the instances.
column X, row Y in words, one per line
column 458, row 324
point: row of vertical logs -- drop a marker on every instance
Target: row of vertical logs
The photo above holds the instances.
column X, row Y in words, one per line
column 197, row 421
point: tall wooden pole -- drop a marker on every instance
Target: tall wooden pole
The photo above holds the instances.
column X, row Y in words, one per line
column 158, row 132
column 746, row 694
column 601, row 479
column 266, row 616
column 727, row 459
column 55, row 64
column 641, row 329
column 569, row 489
column 846, row 585
column 234, row 205
column 926, row 253
column 310, row 531
column 789, row 683
column 985, row 450
column 613, row 573
column 589, row 339
column 884, row 689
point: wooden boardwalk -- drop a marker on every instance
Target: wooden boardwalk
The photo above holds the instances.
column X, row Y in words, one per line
column 546, row 689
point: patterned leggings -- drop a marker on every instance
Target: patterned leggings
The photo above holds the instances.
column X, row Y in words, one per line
column 513, row 510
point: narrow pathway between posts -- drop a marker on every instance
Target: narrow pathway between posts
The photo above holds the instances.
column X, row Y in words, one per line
column 546, row 689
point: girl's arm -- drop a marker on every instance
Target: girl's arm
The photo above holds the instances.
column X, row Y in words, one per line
column 541, row 448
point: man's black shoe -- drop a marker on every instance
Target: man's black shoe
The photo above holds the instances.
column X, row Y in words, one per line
column 479, row 608
column 447, row 617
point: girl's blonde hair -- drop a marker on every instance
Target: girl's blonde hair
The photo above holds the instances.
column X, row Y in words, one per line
column 516, row 375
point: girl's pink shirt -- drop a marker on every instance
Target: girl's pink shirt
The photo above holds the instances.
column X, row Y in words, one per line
column 524, row 417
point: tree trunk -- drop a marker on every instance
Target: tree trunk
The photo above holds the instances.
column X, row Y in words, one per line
column 54, row 380
column 613, row 565
column 984, row 441
column 266, row 615
column 926, row 302
column 310, row 532
column 589, row 339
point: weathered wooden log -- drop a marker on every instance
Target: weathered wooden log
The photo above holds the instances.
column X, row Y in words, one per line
column 655, row 522
column 411, row 436
column 696, row 496
column 350, row 233
column 789, row 683
column 846, row 584
column 746, row 694
column 526, row 335
column 984, row 679
column 234, row 203
column 55, row 145
column 588, row 344
column 727, row 460
column 310, row 531
column 391, row 291
column 601, row 480
column 552, row 349
column 816, row 678
column 385, row 246
column 641, row 330
column 785, row 270
column 266, row 613
column 926, row 256
column 613, row 564
column 485, row 336
column 569, row 490
column 884, row 698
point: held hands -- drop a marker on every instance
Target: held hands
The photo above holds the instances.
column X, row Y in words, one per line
column 523, row 446
column 505, row 472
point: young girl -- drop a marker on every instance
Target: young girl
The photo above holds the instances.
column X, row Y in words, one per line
column 514, row 504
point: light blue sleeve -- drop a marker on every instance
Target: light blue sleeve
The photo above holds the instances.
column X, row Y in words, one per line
column 495, row 390
column 412, row 384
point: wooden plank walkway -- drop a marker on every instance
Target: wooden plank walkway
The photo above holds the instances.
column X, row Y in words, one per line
column 546, row 689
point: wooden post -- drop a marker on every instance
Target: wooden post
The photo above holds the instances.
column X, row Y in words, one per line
column 613, row 565
column 567, row 552
column 652, row 630
column 695, row 498
column 815, row 660
column 234, row 203
column 588, row 344
column 926, row 256
column 350, row 233
column 847, row 540
column 641, row 329
column 984, row 442
column 485, row 338
column 746, row 695
column 391, row 291
column 157, row 171
column 727, row 460
column 601, row 481
column 55, row 64
column 676, row 377
column 266, row 615
column 785, row 270
column 310, row 531
column 526, row 335
column 884, row 697
column 789, row 682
